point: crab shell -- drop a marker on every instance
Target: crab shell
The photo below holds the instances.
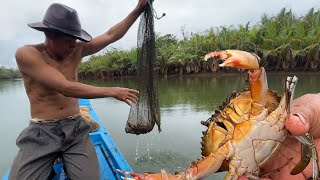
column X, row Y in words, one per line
column 235, row 110
column 250, row 124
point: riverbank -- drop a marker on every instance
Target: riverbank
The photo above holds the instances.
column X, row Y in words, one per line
column 219, row 73
column 11, row 79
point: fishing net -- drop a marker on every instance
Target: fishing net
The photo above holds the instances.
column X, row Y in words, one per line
column 146, row 113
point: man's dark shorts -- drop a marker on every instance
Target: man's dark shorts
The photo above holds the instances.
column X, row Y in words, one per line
column 43, row 142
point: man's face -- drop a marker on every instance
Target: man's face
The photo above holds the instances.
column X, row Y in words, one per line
column 63, row 44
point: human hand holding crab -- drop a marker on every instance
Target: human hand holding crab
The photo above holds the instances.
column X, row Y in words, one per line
column 304, row 118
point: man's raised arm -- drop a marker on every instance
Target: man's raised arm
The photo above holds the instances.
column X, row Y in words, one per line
column 114, row 33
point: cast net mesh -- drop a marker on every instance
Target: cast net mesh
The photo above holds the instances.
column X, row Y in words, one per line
column 146, row 113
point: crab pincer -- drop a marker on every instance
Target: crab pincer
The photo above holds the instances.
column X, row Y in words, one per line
column 236, row 58
column 242, row 59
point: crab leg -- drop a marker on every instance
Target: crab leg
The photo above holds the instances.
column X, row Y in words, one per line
column 150, row 176
column 308, row 150
column 209, row 164
column 258, row 87
column 306, row 154
column 257, row 75
column 197, row 170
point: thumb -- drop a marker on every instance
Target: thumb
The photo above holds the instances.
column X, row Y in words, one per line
column 303, row 119
column 297, row 124
column 242, row 178
column 245, row 178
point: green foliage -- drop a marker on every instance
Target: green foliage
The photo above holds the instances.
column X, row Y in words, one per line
column 273, row 35
column 194, row 47
column 166, row 47
column 113, row 59
column 11, row 73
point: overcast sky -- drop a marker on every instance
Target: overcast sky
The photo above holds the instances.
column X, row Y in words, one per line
column 97, row 16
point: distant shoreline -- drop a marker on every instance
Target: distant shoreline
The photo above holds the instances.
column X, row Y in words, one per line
column 200, row 74
column 225, row 73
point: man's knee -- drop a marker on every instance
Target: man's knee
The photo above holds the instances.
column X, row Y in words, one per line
column 30, row 172
column 89, row 171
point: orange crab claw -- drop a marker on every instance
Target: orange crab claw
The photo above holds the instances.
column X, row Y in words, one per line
column 163, row 175
column 134, row 175
column 257, row 76
column 198, row 170
column 236, row 58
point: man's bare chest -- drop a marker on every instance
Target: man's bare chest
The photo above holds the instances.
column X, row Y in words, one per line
column 66, row 67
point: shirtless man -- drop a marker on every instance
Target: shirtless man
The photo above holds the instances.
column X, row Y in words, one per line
column 49, row 71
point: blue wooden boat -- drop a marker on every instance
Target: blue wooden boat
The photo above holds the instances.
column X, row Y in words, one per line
column 109, row 156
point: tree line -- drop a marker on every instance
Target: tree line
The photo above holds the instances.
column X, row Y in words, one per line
column 284, row 42
column 9, row 73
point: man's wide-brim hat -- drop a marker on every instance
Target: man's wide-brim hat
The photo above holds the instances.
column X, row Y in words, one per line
column 63, row 19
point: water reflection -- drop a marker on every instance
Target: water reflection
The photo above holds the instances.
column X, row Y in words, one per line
column 7, row 86
column 15, row 114
column 163, row 159
column 199, row 92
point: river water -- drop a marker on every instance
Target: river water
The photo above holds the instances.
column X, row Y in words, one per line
column 184, row 102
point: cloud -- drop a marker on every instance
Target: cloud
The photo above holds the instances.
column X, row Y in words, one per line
column 98, row 16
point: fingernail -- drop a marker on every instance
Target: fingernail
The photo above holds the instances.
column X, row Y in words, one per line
column 301, row 118
column 130, row 102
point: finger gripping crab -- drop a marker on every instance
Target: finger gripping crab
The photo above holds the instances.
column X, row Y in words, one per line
column 247, row 130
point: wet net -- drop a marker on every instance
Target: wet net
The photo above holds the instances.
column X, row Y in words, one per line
column 146, row 113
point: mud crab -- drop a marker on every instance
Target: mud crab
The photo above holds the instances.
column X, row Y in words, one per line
column 247, row 130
